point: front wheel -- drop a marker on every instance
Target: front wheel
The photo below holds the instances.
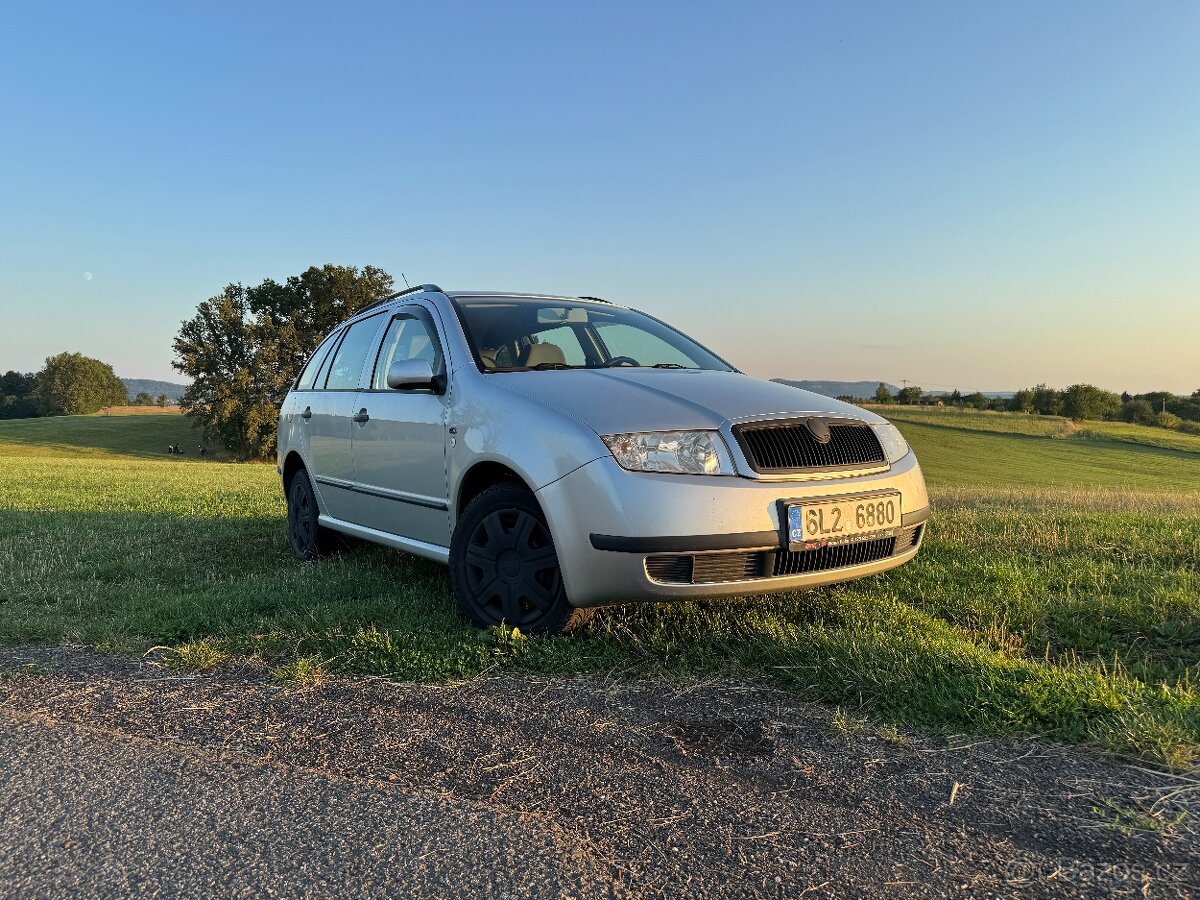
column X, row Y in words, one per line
column 504, row 569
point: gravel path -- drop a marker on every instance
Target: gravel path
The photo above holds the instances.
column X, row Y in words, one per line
column 116, row 778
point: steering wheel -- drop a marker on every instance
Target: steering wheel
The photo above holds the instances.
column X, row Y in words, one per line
column 622, row 361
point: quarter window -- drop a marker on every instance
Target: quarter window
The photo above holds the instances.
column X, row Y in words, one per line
column 348, row 361
column 309, row 376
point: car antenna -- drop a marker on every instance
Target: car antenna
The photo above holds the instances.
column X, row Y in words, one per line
column 405, row 277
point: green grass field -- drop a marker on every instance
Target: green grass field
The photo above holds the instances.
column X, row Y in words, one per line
column 1041, row 426
column 1058, row 592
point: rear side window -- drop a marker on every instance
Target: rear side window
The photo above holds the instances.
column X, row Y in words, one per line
column 309, row 376
column 349, row 358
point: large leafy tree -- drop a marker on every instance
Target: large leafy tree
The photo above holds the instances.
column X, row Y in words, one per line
column 1086, row 401
column 72, row 384
column 245, row 346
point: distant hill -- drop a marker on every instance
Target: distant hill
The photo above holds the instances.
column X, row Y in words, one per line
column 839, row 388
column 1002, row 395
column 135, row 386
column 866, row 389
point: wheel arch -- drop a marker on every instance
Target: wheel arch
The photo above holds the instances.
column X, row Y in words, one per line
column 481, row 476
column 292, row 464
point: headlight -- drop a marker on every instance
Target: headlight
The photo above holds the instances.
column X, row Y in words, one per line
column 681, row 452
column 893, row 442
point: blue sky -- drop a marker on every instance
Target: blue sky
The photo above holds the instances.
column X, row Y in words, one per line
column 955, row 194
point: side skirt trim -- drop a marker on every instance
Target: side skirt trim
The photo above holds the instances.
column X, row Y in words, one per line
column 417, row 548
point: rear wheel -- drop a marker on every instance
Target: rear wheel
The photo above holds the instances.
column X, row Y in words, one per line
column 503, row 566
column 310, row 539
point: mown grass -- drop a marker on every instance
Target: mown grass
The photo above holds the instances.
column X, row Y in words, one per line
column 1058, row 592
column 1041, row 426
column 130, row 434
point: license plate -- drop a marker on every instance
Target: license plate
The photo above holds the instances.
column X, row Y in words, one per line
column 841, row 521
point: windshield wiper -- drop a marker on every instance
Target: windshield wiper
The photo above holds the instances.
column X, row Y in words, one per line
column 667, row 366
column 551, row 365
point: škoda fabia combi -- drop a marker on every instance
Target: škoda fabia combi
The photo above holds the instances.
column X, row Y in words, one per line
column 565, row 453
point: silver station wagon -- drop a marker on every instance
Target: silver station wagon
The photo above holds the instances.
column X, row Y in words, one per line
column 566, row 453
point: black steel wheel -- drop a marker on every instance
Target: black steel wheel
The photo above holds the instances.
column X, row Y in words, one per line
column 309, row 538
column 503, row 566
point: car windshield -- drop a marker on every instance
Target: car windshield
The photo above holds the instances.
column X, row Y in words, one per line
column 518, row 334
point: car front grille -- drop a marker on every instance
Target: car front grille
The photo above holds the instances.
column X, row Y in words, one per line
column 785, row 447
column 713, row 568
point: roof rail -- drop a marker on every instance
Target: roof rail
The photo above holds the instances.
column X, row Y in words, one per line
column 416, row 289
column 596, row 299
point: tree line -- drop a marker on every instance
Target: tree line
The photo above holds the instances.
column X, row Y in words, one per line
column 244, row 347
column 1080, row 402
column 70, row 384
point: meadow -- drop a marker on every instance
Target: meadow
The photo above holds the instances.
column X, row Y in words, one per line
column 1041, row 426
column 1057, row 594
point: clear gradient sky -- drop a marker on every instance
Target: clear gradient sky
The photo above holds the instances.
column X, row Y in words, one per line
column 955, row 194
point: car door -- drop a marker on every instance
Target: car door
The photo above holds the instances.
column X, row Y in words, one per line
column 329, row 413
column 399, row 442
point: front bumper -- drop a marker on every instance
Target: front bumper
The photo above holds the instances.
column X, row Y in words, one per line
column 607, row 521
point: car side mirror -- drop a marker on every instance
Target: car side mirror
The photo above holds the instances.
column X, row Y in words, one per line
column 406, row 374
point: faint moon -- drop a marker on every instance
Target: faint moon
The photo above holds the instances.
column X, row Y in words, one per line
column 87, row 276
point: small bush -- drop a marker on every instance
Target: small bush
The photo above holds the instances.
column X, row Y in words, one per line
column 1167, row 420
column 198, row 656
column 305, row 670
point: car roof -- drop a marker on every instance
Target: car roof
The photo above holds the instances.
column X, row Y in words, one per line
column 514, row 295
column 432, row 292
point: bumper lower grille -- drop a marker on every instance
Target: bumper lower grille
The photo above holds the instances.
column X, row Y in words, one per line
column 670, row 569
column 794, row 447
column 908, row 538
column 712, row 568
column 840, row 556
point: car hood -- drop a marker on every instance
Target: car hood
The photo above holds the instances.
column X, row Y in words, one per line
column 614, row 401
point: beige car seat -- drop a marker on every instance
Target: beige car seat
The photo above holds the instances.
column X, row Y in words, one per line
column 545, row 353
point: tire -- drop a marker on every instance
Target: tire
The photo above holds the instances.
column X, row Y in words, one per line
column 309, row 538
column 504, row 569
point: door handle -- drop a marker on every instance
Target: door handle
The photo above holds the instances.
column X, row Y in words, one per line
column 362, row 418
column 307, row 414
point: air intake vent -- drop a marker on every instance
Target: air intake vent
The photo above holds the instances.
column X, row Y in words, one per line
column 908, row 538
column 840, row 556
column 710, row 567
column 785, row 447
column 670, row 569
